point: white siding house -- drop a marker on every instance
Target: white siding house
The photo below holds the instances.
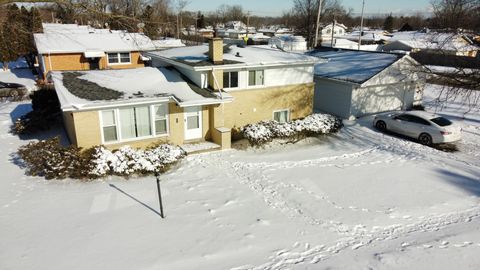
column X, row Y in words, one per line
column 357, row 83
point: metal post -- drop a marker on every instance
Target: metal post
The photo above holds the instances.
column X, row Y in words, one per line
column 157, row 175
column 315, row 43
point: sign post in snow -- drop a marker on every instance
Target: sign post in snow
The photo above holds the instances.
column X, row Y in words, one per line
column 157, row 175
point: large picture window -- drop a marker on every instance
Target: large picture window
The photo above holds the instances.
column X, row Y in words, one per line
column 129, row 123
column 118, row 58
column 230, row 79
column 255, row 77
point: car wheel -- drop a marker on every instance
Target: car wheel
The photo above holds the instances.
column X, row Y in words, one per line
column 425, row 139
column 381, row 125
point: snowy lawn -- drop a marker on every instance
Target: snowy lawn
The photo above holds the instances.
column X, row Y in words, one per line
column 19, row 75
column 358, row 199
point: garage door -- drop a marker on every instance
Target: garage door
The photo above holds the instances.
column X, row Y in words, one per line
column 332, row 97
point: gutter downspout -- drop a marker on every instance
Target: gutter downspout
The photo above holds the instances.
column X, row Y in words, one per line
column 221, row 96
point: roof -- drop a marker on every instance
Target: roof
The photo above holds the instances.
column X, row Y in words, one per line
column 352, row 66
column 432, row 40
column 83, row 90
column 72, row 38
column 196, row 56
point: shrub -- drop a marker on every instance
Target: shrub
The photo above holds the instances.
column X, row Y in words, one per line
column 45, row 113
column 50, row 159
column 312, row 125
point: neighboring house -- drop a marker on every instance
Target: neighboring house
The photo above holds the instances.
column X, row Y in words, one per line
column 206, row 32
column 341, row 43
column 338, row 29
column 356, row 83
column 74, row 47
column 437, row 43
column 289, row 43
column 369, row 36
column 167, row 43
column 275, row 30
column 194, row 94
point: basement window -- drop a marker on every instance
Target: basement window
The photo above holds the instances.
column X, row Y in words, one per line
column 118, row 58
column 255, row 77
column 281, row 116
column 230, row 79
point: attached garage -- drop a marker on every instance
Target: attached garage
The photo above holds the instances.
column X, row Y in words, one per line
column 351, row 84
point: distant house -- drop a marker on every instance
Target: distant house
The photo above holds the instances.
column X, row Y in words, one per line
column 275, row 30
column 436, row 43
column 355, row 83
column 338, row 30
column 74, row 47
column 369, row 36
column 193, row 94
column 289, row 43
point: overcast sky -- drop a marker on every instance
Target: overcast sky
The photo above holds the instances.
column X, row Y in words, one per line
column 275, row 7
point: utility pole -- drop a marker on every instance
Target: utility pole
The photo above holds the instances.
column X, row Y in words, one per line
column 248, row 25
column 333, row 30
column 318, row 23
column 361, row 26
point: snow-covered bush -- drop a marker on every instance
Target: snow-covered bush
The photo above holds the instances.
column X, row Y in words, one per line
column 315, row 124
column 50, row 159
column 127, row 161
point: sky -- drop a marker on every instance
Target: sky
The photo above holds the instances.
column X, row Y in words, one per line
column 276, row 7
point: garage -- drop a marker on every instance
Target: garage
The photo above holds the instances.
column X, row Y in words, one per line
column 351, row 84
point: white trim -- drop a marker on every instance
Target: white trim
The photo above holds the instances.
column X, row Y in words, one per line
column 281, row 110
column 119, row 59
column 256, row 85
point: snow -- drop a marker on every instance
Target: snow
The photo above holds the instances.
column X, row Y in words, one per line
column 168, row 43
column 359, row 199
column 249, row 55
column 72, row 38
column 154, row 84
column 352, row 66
column 432, row 40
column 22, row 76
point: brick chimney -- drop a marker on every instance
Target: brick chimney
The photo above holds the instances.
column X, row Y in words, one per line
column 215, row 51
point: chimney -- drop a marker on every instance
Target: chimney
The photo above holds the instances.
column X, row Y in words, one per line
column 215, row 51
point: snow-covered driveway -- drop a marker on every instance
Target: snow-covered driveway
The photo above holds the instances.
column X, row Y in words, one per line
column 358, row 199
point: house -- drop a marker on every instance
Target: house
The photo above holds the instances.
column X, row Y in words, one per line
column 74, row 47
column 368, row 36
column 436, row 43
column 194, row 94
column 342, row 43
column 338, row 29
column 355, row 83
column 289, row 43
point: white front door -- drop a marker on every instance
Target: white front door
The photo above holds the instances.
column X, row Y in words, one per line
column 193, row 122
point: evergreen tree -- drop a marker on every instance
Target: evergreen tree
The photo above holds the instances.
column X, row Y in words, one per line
column 12, row 42
column 388, row 23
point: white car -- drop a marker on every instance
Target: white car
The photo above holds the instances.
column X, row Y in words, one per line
column 428, row 128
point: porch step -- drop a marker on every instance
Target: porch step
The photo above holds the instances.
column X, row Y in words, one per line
column 200, row 147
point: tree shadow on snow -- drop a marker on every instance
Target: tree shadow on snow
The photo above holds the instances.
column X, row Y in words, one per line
column 469, row 184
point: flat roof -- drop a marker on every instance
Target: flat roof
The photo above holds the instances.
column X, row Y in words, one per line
column 244, row 56
column 352, row 66
column 84, row 90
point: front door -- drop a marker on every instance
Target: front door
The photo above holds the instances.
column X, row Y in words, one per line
column 193, row 122
column 94, row 63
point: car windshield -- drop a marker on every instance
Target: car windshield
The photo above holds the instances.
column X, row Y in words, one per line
column 441, row 121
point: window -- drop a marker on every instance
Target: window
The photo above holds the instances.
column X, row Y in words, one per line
column 134, row 122
column 118, row 58
column 281, row 116
column 255, row 77
column 129, row 123
column 441, row 121
column 160, row 119
column 109, row 126
column 230, row 79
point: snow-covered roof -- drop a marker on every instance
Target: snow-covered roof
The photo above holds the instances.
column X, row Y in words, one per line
column 240, row 56
column 432, row 40
column 72, row 38
column 168, row 43
column 134, row 85
column 352, row 66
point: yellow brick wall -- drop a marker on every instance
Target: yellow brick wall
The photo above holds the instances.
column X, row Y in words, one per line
column 84, row 129
column 251, row 106
column 76, row 61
